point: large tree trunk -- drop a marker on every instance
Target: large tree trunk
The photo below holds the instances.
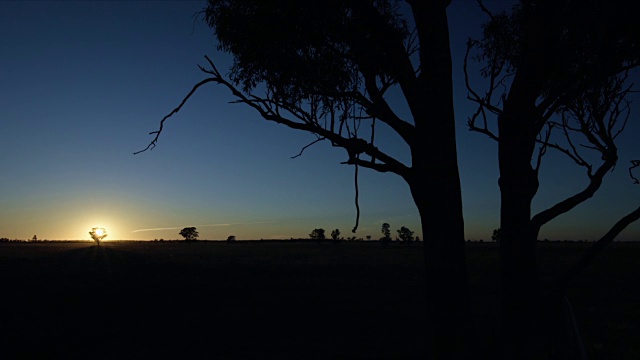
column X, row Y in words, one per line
column 434, row 181
column 450, row 317
column 518, row 185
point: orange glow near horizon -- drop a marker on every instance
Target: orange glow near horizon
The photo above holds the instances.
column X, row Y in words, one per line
column 102, row 229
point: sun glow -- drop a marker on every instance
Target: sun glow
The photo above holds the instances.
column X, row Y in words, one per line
column 98, row 233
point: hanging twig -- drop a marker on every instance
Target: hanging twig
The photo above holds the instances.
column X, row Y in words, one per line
column 357, row 193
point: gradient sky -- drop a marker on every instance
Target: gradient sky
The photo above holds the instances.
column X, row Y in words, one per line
column 82, row 84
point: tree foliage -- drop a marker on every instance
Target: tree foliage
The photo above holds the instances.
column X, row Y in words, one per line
column 335, row 234
column 317, row 234
column 317, row 44
column 189, row 234
column 386, row 232
column 496, row 235
column 405, row 234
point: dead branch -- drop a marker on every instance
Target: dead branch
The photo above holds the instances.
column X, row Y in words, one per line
column 306, row 146
column 153, row 142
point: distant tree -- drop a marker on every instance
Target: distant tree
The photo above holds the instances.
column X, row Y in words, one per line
column 97, row 234
column 317, row 234
column 405, row 234
column 386, row 232
column 417, row 238
column 368, row 237
column 496, row 235
column 231, row 238
column 189, row 233
column 335, row 234
column 34, row 238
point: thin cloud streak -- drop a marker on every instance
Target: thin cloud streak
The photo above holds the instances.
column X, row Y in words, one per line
column 205, row 225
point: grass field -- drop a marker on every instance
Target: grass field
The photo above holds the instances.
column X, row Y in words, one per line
column 271, row 299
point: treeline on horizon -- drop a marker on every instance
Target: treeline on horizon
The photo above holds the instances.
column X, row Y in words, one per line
column 290, row 240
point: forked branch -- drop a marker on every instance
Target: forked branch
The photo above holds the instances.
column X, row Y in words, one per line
column 153, row 142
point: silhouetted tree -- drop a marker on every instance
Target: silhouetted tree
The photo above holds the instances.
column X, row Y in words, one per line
column 557, row 74
column 335, row 234
column 326, row 68
column 97, row 234
column 317, row 234
column 189, row 234
column 231, row 238
column 386, row 232
column 405, row 234
column 496, row 235
column 368, row 237
column 34, row 238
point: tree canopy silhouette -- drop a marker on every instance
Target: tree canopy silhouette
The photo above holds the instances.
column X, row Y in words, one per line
column 405, row 234
column 97, row 234
column 386, row 232
column 189, row 233
column 317, row 234
column 325, row 68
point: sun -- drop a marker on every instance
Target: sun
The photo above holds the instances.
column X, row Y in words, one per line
column 98, row 233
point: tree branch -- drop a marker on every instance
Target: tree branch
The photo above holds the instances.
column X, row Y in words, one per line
column 566, row 205
column 306, row 146
column 381, row 109
column 153, row 142
column 563, row 281
column 269, row 109
column 634, row 164
column 483, row 102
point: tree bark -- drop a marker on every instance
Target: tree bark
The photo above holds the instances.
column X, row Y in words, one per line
column 434, row 181
column 448, row 300
column 518, row 185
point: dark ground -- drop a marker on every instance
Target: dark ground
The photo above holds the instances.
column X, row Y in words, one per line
column 269, row 300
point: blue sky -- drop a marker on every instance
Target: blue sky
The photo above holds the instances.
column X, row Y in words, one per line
column 83, row 83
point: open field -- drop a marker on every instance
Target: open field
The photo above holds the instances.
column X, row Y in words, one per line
column 271, row 299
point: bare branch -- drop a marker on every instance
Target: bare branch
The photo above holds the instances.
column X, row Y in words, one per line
column 543, row 148
column 634, row 164
column 485, row 10
column 484, row 102
column 370, row 165
column 308, row 145
column 381, row 109
column 153, row 142
column 566, row 205
column 270, row 110
column 563, row 281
